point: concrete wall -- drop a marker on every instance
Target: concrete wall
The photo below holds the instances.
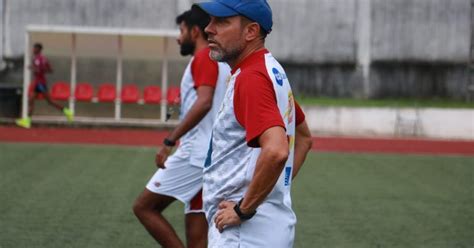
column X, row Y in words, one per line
column 392, row 122
column 309, row 31
column 421, row 30
column 102, row 13
column 344, row 48
column 2, row 17
column 420, row 48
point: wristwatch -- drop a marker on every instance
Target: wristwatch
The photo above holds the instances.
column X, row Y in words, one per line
column 168, row 142
column 241, row 215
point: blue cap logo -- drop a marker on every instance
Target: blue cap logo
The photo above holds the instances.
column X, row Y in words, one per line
column 279, row 77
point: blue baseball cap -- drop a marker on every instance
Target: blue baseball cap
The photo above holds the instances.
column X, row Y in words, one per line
column 256, row 10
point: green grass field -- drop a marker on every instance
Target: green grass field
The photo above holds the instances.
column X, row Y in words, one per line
column 81, row 196
column 386, row 102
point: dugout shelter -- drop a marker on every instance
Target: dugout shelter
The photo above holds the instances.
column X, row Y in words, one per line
column 111, row 43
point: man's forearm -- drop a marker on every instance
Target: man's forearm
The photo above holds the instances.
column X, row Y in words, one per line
column 192, row 118
column 301, row 150
column 267, row 172
column 270, row 163
column 303, row 143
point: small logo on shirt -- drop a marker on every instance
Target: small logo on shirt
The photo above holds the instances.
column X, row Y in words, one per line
column 287, row 175
column 279, row 76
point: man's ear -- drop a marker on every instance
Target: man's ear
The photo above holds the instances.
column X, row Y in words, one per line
column 195, row 32
column 252, row 31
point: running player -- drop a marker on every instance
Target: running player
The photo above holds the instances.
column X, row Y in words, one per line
column 40, row 66
column 180, row 175
column 247, row 176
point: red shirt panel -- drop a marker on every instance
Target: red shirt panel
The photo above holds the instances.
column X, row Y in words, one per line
column 300, row 117
column 255, row 103
column 204, row 70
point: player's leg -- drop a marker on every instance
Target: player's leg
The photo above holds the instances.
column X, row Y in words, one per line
column 66, row 111
column 196, row 230
column 31, row 103
column 196, row 223
column 178, row 181
column 148, row 208
column 51, row 102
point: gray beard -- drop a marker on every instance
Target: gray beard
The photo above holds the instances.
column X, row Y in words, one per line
column 225, row 56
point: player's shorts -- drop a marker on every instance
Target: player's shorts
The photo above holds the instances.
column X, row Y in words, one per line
column 41, row 88
column 180, row 180
column 267, row 228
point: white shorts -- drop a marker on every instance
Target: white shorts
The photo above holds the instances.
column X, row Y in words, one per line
column 180, row 180
column 269, row 227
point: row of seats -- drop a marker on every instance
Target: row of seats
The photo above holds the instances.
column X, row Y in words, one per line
column 106, row 92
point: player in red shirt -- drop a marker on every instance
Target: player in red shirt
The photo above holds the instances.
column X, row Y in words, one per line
column 40, row 67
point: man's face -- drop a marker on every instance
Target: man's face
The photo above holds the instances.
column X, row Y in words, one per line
column 36, row 50
column 185, row 41
column 225, row 38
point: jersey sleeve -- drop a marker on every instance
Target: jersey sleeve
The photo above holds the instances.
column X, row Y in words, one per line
column 255, row 106
column 204, row 70
column 300, row 117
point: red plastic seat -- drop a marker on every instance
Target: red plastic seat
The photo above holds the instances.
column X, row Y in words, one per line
column 130, row 93
column 173, row 96
column 152, row 94
column 84, row 92
column 106, row 92
column 60, row 91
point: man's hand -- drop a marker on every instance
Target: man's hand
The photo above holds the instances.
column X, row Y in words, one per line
column 162, row 155
column 226, row 216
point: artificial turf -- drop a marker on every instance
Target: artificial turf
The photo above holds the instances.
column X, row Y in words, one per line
column 81, row 196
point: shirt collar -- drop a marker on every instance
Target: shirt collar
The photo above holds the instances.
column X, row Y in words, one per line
column 250, row 59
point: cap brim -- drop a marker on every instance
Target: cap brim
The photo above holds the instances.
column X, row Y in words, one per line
column 217, row 9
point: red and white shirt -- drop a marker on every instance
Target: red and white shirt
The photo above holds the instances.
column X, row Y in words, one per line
column 258, row 97
column 201, row 70
column 42, row 65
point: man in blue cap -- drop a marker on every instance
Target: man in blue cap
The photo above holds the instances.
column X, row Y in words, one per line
column 260, row 137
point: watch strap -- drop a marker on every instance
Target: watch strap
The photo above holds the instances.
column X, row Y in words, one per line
column 168, row 142
column 241, row 215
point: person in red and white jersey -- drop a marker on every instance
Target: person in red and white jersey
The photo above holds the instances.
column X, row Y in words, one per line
column 180, row 175
column 260, row 137
column 40, row 66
